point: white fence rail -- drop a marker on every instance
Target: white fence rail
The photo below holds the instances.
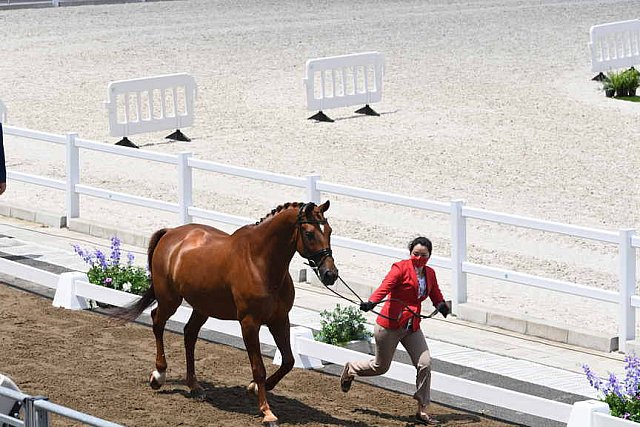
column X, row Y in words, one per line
column 615, row 45
column 626, row 240
column 342, row 81
column 150, row 104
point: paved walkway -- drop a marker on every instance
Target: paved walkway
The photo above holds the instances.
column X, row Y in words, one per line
column 485, row 354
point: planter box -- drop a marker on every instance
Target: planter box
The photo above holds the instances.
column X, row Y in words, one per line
column 594, row 413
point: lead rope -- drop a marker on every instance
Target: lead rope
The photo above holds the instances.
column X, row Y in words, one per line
column 406, row 307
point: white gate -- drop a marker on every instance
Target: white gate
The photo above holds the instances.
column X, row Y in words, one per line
column 151, row 104
column 615, row 45
column 342, row 81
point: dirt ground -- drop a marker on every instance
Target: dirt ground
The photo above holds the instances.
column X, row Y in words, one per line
column 84, row 361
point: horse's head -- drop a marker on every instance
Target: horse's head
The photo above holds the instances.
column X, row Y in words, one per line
column 314, row 241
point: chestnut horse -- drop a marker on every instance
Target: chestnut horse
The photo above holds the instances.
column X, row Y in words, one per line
column 242, row 276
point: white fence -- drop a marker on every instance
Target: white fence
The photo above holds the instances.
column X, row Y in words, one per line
column 341, row 81
column 150, row 104
column 626, row 240
column 615, row 45
column 55, row 3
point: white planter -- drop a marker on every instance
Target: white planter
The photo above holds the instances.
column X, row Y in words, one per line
column 594, row 413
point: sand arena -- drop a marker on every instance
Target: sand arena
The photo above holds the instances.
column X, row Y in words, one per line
column 487, row 101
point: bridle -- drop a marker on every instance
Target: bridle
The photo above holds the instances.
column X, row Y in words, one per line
column 317, row 258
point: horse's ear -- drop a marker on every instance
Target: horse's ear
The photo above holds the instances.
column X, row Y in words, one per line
column 324, row 207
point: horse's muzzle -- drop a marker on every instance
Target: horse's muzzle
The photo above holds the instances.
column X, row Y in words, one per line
column 328, row 276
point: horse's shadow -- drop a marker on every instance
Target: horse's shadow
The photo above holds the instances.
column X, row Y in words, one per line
column 235, row 399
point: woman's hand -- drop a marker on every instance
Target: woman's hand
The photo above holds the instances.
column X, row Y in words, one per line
column 367, row 305
column 443, row 308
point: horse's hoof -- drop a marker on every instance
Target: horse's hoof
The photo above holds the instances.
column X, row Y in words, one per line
column 198, row 393
column 157, row 379
column 252, row 388
column 270, row 423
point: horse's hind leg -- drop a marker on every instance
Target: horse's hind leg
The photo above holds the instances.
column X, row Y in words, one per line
column 160, row 315
column 191, row 330
column 281, row 335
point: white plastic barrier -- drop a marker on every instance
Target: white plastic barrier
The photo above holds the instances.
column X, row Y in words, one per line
column 151, row 104
column 615, row 45
column 342, row 81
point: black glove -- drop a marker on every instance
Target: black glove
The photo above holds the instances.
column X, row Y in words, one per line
column 444, row 309
column 367, row 305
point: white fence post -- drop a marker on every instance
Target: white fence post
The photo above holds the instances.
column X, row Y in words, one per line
column 185, row 187
column 313, row 195
column 458, row 254
column 627, row 268
column 73, row 176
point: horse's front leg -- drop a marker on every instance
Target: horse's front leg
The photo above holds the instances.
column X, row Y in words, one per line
column 250, row 335
column 281, row 335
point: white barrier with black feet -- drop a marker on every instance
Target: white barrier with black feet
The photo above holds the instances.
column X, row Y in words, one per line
column 343, row 81
column 151, row 104
column 614, row 45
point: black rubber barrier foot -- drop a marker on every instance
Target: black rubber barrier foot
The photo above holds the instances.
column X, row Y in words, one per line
column 367, row 111
column 178, row 136
column 126, row 143
column 321, row 117
column 599, row 78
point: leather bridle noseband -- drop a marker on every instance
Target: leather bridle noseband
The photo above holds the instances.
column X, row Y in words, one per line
column 317, row 258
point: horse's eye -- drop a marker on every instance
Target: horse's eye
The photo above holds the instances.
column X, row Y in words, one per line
column 310, row 235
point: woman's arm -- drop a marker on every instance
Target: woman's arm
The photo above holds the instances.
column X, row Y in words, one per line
column 391, row 280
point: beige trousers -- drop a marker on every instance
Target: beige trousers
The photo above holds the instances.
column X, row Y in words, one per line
column 386, row 343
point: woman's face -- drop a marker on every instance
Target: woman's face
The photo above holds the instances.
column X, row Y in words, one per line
column 420, row 251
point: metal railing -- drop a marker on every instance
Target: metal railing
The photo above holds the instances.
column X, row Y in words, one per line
column 36, row 410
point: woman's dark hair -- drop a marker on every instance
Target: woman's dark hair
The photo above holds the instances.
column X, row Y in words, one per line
column 420, row 241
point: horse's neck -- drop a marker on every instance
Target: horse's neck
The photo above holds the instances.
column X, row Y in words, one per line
column 278, row 240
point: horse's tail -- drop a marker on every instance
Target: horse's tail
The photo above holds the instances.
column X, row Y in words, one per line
column 131, row 312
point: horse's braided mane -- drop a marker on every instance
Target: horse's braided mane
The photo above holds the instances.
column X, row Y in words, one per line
column 278, row 209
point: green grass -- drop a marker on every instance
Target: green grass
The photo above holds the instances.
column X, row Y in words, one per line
column 629, row 98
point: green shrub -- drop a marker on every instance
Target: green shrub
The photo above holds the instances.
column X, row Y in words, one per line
column 342, row 325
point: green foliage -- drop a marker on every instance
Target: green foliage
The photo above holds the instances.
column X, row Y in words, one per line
column 621, row 81
column 622, row 396
column 342, row 325
column 111, row 272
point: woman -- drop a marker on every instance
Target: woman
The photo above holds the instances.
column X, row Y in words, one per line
column 407, row 284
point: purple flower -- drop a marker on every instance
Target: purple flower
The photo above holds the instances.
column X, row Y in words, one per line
column 101, row 259
column 626, row 415
column 107, row 281
column 632, row 375
column 130, row 258
column 613, row 385
column 85, row 255
column 115, row 250
column 593, row 379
